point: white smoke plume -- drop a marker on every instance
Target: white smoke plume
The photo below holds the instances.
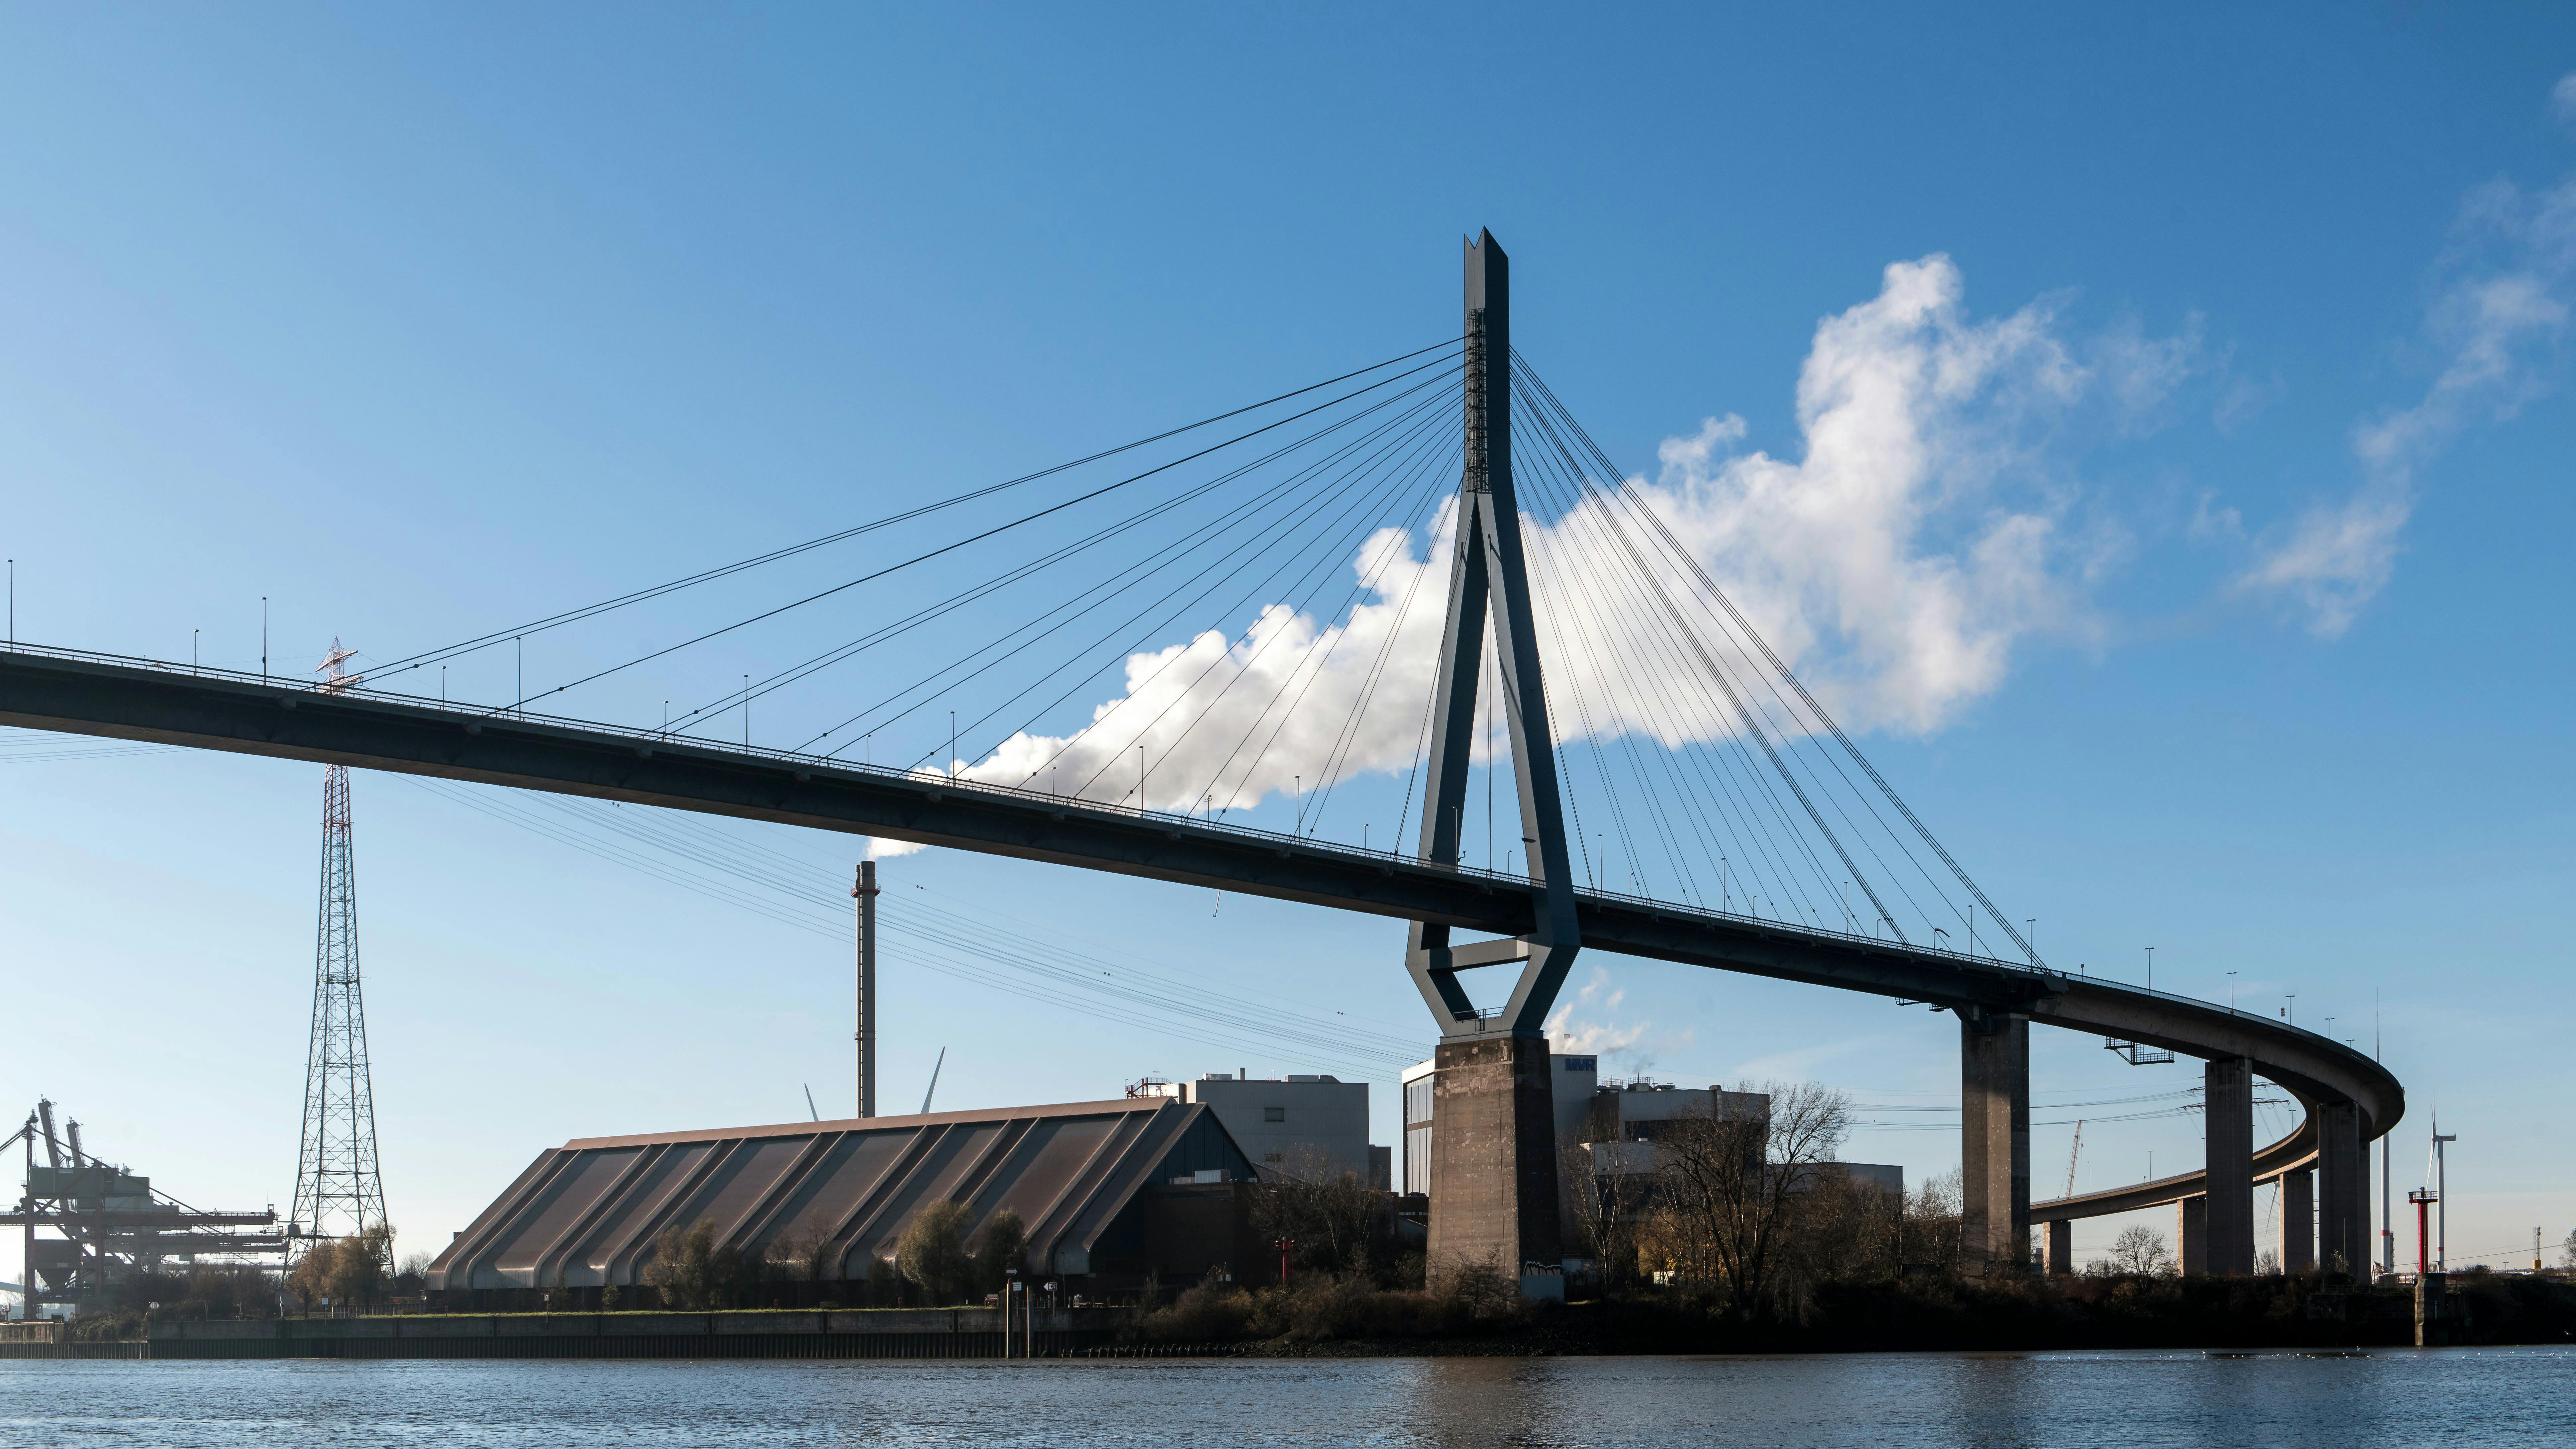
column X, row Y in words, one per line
column 1623, row 1044
column 1894, row 564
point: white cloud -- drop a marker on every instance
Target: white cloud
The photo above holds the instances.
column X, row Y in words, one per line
column 2139, row 372
column 2510, row 273
column 2244, row 398
column 1895, row 563
column 1883, row 564
column 2562, row 98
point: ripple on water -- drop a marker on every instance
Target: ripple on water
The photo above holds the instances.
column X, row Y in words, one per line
column 2098, row 1400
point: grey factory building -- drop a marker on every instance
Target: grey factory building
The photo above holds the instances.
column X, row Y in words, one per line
column 1112, row 1193
column 1302, row 1125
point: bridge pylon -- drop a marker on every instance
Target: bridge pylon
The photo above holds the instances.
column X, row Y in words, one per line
column 1493, row 1152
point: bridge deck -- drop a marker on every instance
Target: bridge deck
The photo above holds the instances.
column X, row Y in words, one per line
column 143, row 700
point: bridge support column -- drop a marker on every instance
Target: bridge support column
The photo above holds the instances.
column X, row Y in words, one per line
column 2343, row 1182
column 1994, row 1160
column 2298, row 1221
column 2191, row 1234
column 2061, row 1247
column 1493, row 1162
column 2228, row 1104
column 1493, row 1136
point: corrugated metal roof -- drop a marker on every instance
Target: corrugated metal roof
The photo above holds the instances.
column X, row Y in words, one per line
column 587, row 1213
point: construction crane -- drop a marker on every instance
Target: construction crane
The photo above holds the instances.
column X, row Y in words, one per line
column 2072, row 1155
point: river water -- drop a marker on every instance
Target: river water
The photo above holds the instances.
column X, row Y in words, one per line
column 1886, row 1401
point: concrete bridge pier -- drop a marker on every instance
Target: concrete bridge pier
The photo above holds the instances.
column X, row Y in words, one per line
column 2343, row 1186
column 1994, row 1162
column 2061, row 1246
column 2298, row 1221
column 2228, row 1103
column 1493, row 1162
column 2191, row 1234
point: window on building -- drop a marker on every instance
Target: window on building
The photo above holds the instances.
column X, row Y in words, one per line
column 1417, row 1159
column 1274, row 1114
column 1417, row 1100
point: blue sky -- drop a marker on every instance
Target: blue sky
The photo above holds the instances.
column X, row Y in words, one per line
column 421, row 322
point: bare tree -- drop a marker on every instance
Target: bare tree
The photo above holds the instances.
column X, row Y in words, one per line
column 2142, row 1250
column 1609, row 1210
column 1340, row 1223
column 413, row 1275
column 1730, row 1190
column 1843, row 1227
column 1930, row 1235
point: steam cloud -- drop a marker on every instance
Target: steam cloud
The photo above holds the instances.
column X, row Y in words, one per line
column 1885, row 564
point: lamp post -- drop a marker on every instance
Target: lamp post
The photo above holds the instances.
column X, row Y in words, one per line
column 2442, row 1199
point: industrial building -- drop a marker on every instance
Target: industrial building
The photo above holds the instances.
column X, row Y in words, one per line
column 1295, row 1125
column 1113, row 1195
column 1613, row 1127
column 1621, row 1123
column 89, row 1225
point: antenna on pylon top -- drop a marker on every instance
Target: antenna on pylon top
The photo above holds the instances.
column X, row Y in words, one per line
column 334, row 678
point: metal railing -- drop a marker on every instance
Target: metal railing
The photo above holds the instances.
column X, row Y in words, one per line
column 355, row 687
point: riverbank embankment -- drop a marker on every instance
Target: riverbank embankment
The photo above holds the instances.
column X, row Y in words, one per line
column 1327, row 1319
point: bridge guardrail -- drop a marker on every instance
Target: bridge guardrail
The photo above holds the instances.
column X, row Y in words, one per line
column 355, row 686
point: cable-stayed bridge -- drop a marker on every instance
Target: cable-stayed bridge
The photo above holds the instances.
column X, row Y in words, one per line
column 1397, row 586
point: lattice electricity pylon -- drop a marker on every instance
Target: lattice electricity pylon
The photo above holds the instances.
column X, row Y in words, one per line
column 337, row 1190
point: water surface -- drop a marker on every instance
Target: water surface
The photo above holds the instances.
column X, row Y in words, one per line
column 1879, row 1401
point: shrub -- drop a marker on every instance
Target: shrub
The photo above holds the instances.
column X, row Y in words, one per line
column 932, row 1252
column 345, row 1270
column 684, row 1270
column 1208, row 1313
column 1002, row 1245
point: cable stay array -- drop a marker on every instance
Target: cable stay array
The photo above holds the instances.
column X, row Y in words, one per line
column 1238, row 619
column 1712, row 772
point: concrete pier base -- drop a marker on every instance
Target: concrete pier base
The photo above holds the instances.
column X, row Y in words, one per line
column 2228, row 1103
column 2436, row 1320
column 2061, row 1246
column 1493, row 1162
column 1994, row 1163
column 2191, row 1235
column 2298, row 1221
